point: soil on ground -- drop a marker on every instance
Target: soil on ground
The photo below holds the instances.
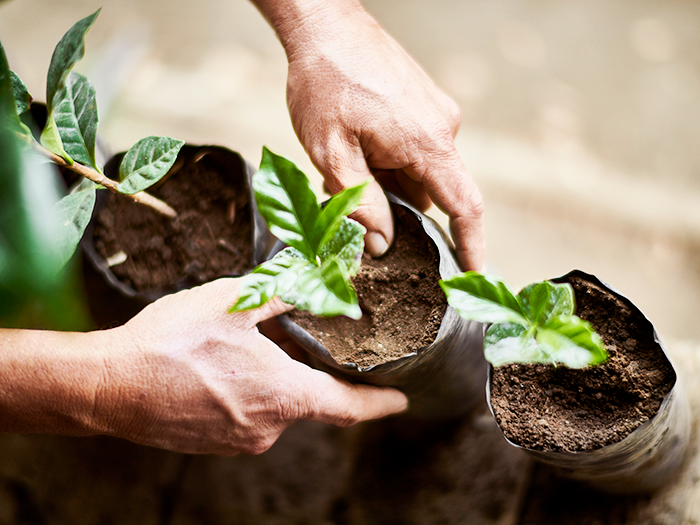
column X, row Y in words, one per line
column 210, row 238
column 401, row 300
column 556, row 408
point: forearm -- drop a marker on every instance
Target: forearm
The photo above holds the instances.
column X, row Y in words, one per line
column 49, row 381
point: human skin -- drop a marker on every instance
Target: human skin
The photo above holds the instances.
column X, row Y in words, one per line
column 183, row 375
column 361, row 106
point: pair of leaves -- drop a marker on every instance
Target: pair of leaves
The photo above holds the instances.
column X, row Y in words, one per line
column 324, row 246
column 536, row 326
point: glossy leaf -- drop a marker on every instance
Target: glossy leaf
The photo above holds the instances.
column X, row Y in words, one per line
column 512, row 343
column 483, row 298
column 147, row 162
column 544, row 300
column 8, row 106
column 572, row 341
column 68, row 52
column 75, row 116
column 73, row 213
column 22, row 97
column 338, row 207
column 347, row 245
column 51, row 140
column 287, row 202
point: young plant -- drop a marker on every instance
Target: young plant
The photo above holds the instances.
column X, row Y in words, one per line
column 68, row 138
column 536, row 326
column 324, row 246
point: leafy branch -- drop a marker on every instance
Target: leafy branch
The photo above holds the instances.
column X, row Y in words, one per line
column 324, row 246
column 537, row 325
column 69, row 136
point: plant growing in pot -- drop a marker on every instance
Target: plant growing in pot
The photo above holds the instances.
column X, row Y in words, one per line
column 138, row 253
column 389, row 310
column 613, row 415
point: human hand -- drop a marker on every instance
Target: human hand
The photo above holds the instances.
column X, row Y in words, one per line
column 192, row 378
column 362, row 106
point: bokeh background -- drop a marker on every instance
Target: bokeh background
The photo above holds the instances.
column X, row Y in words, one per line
column 580, row 119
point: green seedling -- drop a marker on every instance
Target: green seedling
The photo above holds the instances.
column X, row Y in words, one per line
column 68, row 139
column 324, row 246
column 537, row 325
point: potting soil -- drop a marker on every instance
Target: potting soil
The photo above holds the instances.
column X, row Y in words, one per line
column 401, row 300
column 210, row 238
column 560, row 409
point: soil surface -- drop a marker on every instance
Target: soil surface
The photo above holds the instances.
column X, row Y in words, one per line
column 401, row 300
column 210, row 238
column 556, row 408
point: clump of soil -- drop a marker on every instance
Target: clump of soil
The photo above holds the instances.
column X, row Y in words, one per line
column 401, row 300
column 210, row 238
column 549, row 408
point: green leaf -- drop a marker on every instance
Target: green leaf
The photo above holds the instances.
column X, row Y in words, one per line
column 51, row 140
column 339, row 206
column 483, row 298
column 544, row 300
column 75, row 118
column 22, row 97
column 572, row 341
column 68, row 52
column 512, row 343
column 347, row 245
column 147, row 162
column 73, row 213
column 8, row 105
column 287, row 202
column 321, row 290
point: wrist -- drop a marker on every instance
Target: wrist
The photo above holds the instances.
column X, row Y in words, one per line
column 304, row 24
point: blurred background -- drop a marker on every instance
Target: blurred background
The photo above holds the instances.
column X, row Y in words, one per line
column 580, row 119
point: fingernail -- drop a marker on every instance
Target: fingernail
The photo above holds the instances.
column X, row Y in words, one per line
column 376, row 244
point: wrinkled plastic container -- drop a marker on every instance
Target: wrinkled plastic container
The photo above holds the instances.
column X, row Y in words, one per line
column 442, row 380
column 112, row 302
column 648, row 457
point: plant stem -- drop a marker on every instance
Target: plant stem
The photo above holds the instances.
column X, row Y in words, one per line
column 141, row 197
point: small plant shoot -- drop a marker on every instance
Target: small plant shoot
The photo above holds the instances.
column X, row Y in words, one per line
column 324, row 246
column 69, row 137
column 536, row 326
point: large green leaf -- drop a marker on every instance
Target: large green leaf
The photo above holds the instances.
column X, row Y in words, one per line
column 347, row 245
column 508, row 343
column 322, row 290
column 483, row 298
column 147, row 162
column 287, row 202
column 572, row 341
column 544, row 300
column 73, row 213
column 338, row 207
column 75, row 116
column 8, row 106
column 22, row 97
column 68, row 52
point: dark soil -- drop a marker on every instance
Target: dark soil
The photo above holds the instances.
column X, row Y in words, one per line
column 210, row 238
column 556, row 408
column 401, row 300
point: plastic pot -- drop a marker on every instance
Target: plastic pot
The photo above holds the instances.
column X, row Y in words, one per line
column 442, row 380
column 647, row 457
column 112, row 301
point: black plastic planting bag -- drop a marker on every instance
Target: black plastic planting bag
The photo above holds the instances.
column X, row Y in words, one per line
column 112, row 301
column 650, row 455
column 444, row 379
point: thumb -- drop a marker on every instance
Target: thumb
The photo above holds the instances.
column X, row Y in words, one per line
column 337, row 402
column 269, row 310
column 349, row 168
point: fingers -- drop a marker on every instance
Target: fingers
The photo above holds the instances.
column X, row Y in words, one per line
column 347, row 168
column 331, row 400
column 453, row 190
